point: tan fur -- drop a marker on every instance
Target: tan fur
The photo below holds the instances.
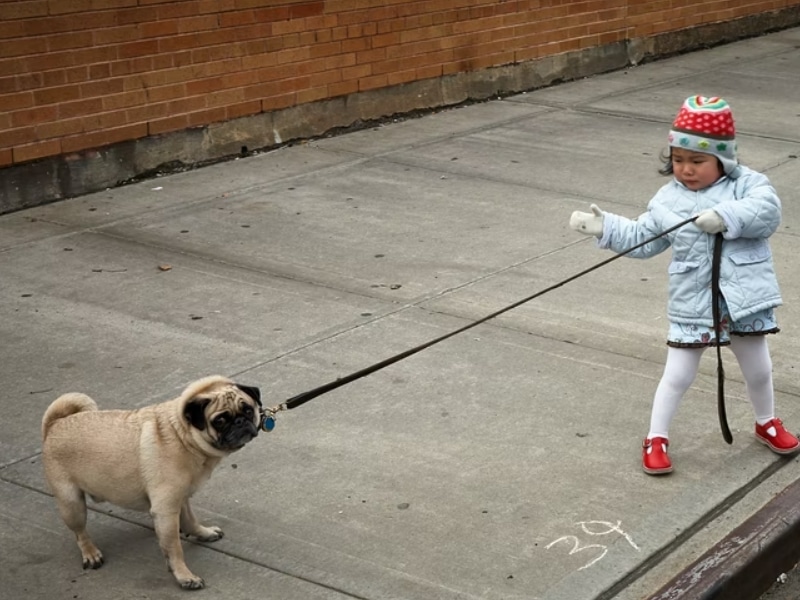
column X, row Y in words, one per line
column 64, row 406
column 153, row 459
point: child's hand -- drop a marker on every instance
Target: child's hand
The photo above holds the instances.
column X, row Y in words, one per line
column 588, row 223
column 710, row 222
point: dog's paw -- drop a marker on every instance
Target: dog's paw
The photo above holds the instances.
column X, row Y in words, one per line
column 92, row 557
column 209, row 534
column 192, row 583
column 94, row 561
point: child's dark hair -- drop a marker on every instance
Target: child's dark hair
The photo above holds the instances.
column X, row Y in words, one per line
column 666, row 158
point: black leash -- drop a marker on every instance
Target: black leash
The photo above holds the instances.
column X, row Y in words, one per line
column 268, row 415
column 715, row 308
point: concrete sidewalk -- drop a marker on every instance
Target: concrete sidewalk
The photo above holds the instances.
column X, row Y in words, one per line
column 503, row 463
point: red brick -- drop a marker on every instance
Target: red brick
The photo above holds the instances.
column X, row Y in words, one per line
column 116, row 35
column 175, row 10
column 33, row 116
column 324, row 78
column 371, row 56
column 10, row 29
column 306, row 9
column 174, row 123
column 99, row 139
column 271, row 14
column 124, row 99
column 224, row 97
column 140, row 48
column 233, row 19
column 242, row 109
column 260, row 90
column 55, row 95
column 373, row 82
column 312, row 94
column 203, row 86
column 23, row 10
column 186, row 105
column 10, row 84
column 399, row 77
column 148, row 112
column 18, row 136
column 36, row 150
column 166, row 92
column 179, row 42
column 356, row 72
column 355, row 45
column 214, row 6
column 158, row 28
column 22, row 100
column 6, row 157
column 106, row 4
column 102, row 87
column 76, row 74
column 55, row 7
column 23, row 47
column 65, row 41
column 204, row 117
column 104, row 121
column 199, row 23
column 99, row 71
column 343, row 88
column 77, row 108
column 139, row 14
column 278, row 102
column 58, row 129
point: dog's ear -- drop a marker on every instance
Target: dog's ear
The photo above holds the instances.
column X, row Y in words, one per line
column 251, row 391
column 194, row 412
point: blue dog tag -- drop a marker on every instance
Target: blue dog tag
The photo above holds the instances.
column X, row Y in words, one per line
column 268, row 423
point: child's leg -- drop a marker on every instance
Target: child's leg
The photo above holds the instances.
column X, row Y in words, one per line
column 752, row 354
column 679, row 373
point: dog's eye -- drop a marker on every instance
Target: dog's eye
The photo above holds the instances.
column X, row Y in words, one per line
column 248, row 411
column 220, row 421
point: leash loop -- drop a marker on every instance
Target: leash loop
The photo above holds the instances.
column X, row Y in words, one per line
column 717, row 317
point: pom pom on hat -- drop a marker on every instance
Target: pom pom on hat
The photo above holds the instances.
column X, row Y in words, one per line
column 706, row 125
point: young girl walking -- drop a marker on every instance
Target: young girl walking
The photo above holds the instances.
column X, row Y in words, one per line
column 708, row 182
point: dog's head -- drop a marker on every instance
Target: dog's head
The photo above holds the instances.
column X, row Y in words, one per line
column 224, row 414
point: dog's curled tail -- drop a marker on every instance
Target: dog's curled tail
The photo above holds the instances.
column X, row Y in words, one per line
column 64, row 406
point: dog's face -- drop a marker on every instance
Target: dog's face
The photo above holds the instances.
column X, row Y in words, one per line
column 226, row 416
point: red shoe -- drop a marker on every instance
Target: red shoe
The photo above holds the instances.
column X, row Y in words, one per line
column 774, row 435
column 654, row 456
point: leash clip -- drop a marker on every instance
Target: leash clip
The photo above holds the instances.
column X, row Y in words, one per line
column 268, row 417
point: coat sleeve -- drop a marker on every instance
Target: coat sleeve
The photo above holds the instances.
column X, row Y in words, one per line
column 621, row 233
column 755, row 212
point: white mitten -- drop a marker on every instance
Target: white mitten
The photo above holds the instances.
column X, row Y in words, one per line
column 588, row 223
column 710, row 222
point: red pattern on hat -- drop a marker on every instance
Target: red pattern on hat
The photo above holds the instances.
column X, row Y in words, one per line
column 711, row 117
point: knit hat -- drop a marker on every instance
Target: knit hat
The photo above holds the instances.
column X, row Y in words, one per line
column 706, row 125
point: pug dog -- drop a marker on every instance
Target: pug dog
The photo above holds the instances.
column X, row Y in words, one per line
column 150, row 459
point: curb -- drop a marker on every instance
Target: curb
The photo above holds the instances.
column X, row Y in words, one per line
column 745, row 563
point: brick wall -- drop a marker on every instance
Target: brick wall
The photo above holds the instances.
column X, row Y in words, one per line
column 77, row 75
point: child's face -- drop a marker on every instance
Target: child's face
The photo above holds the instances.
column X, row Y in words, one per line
column 695, row 170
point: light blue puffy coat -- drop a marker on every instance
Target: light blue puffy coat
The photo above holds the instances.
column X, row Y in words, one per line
column 751, row 210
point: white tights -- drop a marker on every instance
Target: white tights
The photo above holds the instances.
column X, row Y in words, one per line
column 752, row 354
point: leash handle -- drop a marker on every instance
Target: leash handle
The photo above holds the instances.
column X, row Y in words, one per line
column 715, row 311
column 304, row 397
